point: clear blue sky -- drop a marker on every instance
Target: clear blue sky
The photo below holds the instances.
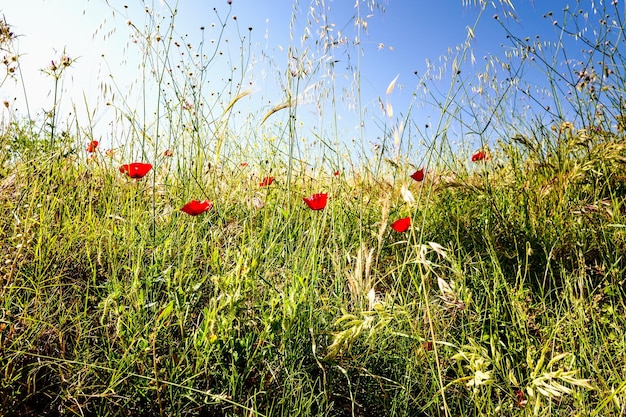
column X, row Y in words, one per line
column 399, row 42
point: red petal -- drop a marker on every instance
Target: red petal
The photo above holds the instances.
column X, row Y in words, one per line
column 266, row 181
column 418, row 175
column 195, row 207
column 136, row 169
column 401, row 225
column 92, row 146
column 479, row 156
column 316, row 201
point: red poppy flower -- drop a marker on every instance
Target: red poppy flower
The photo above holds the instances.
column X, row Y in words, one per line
column 243, row 164
column 418, row 175
column 92, row 146
column 316, row 201
column 479, row 156
column 266, row 181
column 521, row 400
column 136, row 169
column 336, row 173
column 195, row 207
column 401, row 225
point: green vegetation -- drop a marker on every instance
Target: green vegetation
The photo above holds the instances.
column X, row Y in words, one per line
column 504, row 297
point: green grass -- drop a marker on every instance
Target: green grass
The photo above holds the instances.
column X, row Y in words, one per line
column 505, row 297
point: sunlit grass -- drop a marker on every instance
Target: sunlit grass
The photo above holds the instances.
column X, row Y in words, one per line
column 262, row 277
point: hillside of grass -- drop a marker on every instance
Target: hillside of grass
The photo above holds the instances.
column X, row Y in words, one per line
column 500, row 291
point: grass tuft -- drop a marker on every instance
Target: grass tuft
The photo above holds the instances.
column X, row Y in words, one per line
column 500, row 292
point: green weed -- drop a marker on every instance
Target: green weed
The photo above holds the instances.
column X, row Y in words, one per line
column 505, row 296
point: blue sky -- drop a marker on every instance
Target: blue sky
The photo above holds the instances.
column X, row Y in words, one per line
column 398, row 42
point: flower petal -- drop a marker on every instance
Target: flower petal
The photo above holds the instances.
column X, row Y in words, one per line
column 266, row 181
column 136, row 169
column 316, row 201
column 479, row 156
column 195, row 207
column 92, row 146
column 401, row 225
column 418, row 175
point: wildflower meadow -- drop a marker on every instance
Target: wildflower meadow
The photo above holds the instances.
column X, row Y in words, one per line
column 208, row 254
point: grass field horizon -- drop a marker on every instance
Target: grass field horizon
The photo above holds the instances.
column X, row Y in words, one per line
column 218, row 263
